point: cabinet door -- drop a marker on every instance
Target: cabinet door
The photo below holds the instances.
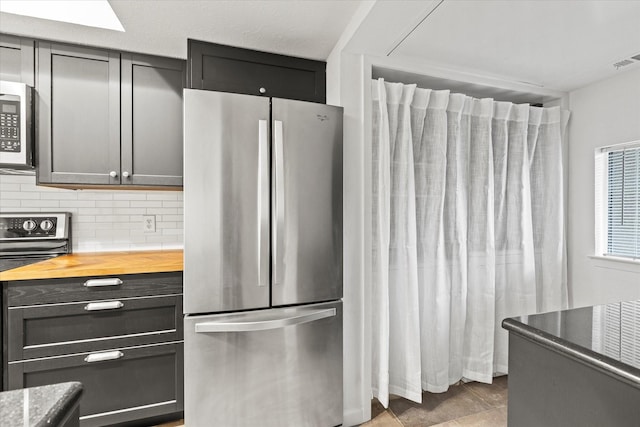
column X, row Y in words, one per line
column 152, row 120
column 78, row 114
column 231, row 69
column 18, row 59
column 119, row 385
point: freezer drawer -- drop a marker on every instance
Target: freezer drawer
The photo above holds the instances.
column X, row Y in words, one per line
column 277, row 367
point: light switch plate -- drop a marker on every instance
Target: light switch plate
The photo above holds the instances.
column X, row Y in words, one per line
column 149, row 223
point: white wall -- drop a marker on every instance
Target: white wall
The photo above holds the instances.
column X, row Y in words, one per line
column 102, row 220
column 604, row 113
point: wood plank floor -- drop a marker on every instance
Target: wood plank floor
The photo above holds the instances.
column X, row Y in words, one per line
column 464, row 405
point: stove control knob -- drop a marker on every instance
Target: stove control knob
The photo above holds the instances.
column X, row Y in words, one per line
column 29, row 225
column 46, row 225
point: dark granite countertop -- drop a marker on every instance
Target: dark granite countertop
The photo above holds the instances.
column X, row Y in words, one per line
column 607, row 337
column 38, row 406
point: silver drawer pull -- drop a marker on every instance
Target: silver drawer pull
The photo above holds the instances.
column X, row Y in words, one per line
column 101, row 357
column 108, row 305
column 103, row 282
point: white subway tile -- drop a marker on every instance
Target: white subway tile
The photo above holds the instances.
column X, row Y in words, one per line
column 59, row 196
column 5, row 204
column 171, row 232
column 146, row 203
column 112, row 218
column 94, row 195
column 129, row 211
column 112, row 204
column 162, row 224
column 111, row 234
column 172, row 204
column 160, row 239
column 130, row 196
column 96, row 211
column 79, row 203
column 162, row 195
column 10, row 186
column 20, row 195
column 17, row 179
column 163, row 211
column 40, row 203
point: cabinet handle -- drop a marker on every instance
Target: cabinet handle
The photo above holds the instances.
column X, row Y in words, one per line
column 113, row 174
column 125, row 174
column 109, row 305
column 104, row 356
column 263, row 90
column 92, row 283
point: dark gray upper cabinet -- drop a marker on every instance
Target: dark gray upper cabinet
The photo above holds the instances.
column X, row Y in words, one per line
column 78, row 115
column 18, row 59
column 152, row 120
column 230, row 69
column 106, row 118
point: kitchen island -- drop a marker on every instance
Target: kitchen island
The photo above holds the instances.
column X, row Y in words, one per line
column 575, row 367
column 49, row 405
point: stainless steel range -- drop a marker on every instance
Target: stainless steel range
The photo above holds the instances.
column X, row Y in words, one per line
column 26, row 238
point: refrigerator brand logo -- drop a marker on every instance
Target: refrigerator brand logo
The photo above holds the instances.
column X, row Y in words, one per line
column 322, row 117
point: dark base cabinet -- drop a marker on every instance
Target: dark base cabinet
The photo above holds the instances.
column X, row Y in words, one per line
column 122, row 341
column 552, row 389
column 142, row 382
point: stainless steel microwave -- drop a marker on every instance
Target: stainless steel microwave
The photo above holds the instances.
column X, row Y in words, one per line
column 16, row 126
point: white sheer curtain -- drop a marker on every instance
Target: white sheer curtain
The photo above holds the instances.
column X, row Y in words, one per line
column 468, row 228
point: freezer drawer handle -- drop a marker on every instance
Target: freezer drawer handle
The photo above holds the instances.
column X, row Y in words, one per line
column 92, row 283
column 108, row 305
column 264, row 325
column 104, row 356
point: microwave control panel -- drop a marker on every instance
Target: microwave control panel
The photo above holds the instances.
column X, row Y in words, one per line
column 10, row 124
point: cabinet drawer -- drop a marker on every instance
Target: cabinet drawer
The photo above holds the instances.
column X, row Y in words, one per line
column 48, row 291
column 131, row 383
column 55, row 329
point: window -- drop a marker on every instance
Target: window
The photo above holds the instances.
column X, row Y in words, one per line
column 618, row 201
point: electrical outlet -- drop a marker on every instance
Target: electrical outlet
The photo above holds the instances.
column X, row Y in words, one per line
column 149, row 223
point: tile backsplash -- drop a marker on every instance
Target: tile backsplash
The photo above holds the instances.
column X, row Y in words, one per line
column 102, row 220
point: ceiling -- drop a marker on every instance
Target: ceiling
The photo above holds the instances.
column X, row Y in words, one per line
column 307, row 29
column 557, row 45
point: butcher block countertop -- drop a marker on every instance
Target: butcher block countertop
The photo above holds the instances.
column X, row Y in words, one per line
column 98, row 264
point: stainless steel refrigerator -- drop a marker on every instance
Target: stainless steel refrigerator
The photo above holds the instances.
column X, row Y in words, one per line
column 263, row 261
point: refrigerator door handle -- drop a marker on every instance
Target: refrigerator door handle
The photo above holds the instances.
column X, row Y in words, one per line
column 263, row 204
column 278, row 217
column 264, row 325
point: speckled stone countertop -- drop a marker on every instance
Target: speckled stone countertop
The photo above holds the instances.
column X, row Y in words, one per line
column 38, row 406
column 603, row 336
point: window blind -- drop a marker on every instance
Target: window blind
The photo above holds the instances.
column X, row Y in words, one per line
column 623, row 202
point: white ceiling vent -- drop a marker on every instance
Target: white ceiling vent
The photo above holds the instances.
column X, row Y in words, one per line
column 625, row 62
